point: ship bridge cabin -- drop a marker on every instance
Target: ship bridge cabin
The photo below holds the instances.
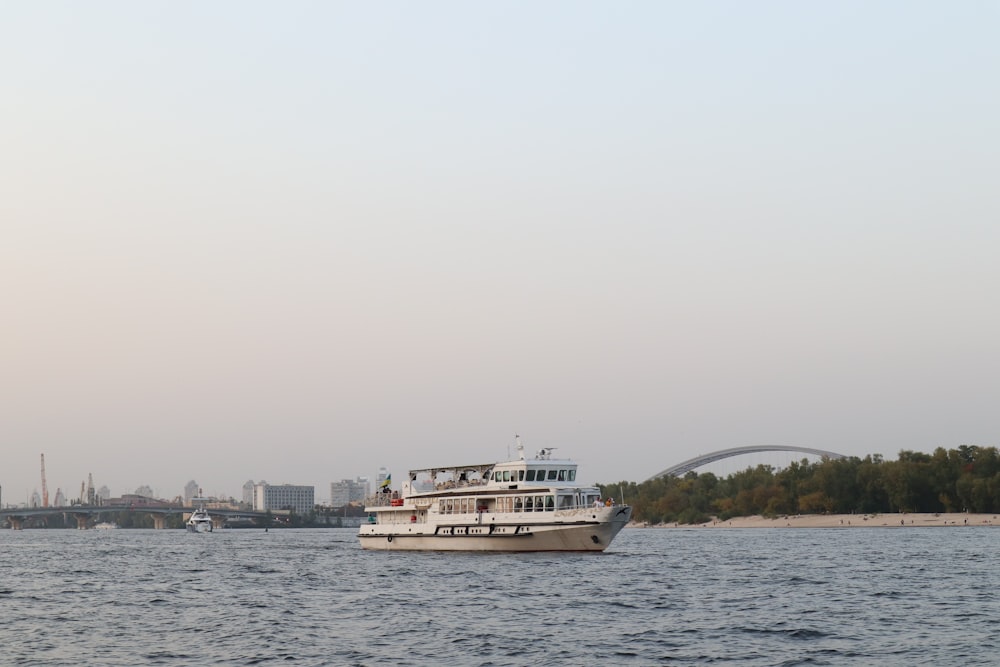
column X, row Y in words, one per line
column 546, row 471
column 541, row 470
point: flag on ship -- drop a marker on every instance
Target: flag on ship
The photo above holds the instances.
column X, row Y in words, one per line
column 386, row 482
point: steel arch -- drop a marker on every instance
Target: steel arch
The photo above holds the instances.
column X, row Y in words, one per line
column 698, row 461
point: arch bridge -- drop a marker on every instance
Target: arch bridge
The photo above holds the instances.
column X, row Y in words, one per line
column 687, row 466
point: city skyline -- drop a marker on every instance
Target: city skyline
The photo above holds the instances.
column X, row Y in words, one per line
column 105, row 491
column 302, row 242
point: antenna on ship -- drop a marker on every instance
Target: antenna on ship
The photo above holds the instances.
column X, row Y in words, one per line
column 520, row 447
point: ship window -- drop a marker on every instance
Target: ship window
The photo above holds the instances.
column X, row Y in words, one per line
column 552, row 474
column 549, row 502
column 517, row 503
column 531, row 476
column 572, row 474
column 528, row 503
column 520, row 475
column 562, row 475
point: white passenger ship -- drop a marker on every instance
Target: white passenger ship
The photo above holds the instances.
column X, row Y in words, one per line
column 522, row 505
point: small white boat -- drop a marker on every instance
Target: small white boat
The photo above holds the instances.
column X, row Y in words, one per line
column 106, row 525
column 200, row 521
column 521, row 505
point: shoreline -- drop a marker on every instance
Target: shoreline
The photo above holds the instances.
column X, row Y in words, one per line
column 895, row 520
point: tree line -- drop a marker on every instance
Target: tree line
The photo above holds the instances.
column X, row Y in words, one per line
column 955, row 480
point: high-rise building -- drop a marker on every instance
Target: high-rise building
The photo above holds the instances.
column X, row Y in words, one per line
column 248, row 492
column 348, row 491
column 299, row 499
column 190, row 491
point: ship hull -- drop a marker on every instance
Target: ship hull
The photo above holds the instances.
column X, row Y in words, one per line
column 593, row 535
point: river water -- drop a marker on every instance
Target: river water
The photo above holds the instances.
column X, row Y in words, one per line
column 861, row 596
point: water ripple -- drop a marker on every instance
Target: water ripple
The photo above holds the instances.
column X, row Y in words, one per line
column 677, row 597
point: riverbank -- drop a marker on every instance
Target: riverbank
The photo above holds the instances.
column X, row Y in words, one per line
column 901, row 520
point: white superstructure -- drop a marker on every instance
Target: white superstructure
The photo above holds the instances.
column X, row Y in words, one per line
column 521, row 505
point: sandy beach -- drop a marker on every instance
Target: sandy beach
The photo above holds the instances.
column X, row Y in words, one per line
column 902, row 520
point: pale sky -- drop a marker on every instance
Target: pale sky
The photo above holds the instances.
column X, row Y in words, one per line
column 299, row 241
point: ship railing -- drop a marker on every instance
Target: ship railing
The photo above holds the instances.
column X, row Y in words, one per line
column 383, row 500
column 459, row 484
column 586, row 507
column 524, row 509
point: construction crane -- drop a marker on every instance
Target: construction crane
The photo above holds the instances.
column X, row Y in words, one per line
column 45, row 486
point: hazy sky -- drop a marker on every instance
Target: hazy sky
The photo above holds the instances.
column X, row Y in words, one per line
column 299, row 241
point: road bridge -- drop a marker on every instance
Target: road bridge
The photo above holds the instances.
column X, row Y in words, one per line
column 687, row 466
column 84, row 514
